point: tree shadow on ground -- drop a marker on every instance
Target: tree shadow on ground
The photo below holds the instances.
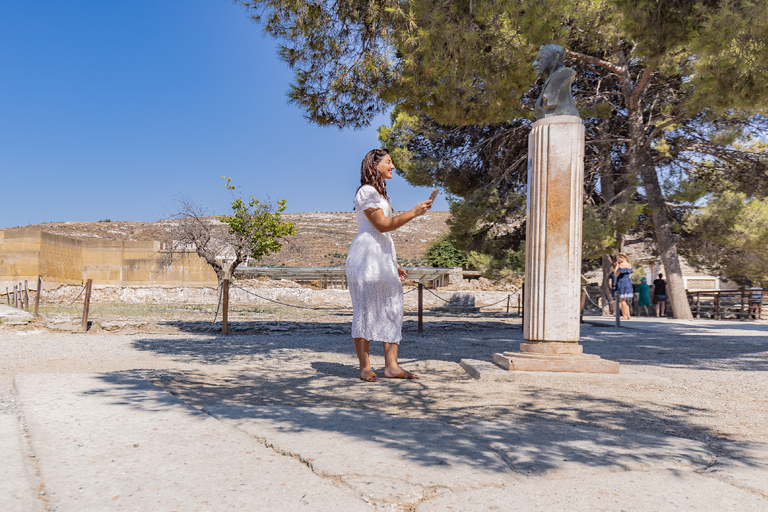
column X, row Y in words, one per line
column 705, row 345
column 521, row 436
column 441, row 340
column 308, row 369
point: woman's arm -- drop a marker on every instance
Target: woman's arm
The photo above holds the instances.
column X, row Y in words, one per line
column 384, row 224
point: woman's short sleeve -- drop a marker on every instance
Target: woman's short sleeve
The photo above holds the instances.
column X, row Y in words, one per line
column 625, row 270
column 367, row 197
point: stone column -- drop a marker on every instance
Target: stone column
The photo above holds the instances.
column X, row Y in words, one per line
column 553, row 232
column 553, row 254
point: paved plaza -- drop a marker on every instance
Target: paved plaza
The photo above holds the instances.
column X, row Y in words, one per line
column 275, row 419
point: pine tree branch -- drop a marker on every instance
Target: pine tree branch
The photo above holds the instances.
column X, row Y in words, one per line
column 617, row 196
column 670, row 122
column 640, row 85
column 618, row 70
column 612, row 139
column 683, row 206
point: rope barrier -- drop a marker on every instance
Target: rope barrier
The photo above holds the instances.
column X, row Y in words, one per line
column 502, row 300
column 478, row 307
column 347, row 308
column 78, row 296
column 436, row 295
column 289, row 305
column 593, row 302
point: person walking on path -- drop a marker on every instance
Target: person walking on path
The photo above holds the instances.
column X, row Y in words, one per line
column 643, row 299
column 659, row 292
column 373, row 275
column 622, row 284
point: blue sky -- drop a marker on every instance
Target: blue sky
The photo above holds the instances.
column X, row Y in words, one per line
column 111, row 110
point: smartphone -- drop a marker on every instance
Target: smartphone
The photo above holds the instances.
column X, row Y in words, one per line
column 433, row 195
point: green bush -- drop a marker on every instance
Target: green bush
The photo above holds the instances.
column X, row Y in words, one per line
column 442, row 253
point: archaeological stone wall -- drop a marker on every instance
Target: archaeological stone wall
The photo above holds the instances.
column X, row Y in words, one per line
column 67, row 260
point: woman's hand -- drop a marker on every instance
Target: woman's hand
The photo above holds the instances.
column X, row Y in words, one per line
column 421, row 208
column 384, row 224
column 401, row 272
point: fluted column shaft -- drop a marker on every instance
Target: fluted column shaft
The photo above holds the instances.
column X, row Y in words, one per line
column 553, row 232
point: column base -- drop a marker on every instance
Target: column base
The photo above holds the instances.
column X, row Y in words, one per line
column 554, row 357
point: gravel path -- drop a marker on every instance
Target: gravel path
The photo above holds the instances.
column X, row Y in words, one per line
column 698, row 380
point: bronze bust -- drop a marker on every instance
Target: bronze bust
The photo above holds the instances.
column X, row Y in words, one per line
column 555, row 98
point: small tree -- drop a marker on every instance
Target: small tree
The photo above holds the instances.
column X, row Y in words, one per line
column 442, row 253
column 730, row 235
column 254, row 229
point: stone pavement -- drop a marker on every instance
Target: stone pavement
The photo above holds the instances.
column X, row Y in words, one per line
column 114, row 441
column 14, row 316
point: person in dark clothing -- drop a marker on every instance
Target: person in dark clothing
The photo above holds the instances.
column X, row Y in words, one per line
column 659, row 292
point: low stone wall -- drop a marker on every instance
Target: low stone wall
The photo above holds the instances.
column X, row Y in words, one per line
column 308, row 297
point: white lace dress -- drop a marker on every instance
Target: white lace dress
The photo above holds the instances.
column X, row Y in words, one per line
column 375, row 287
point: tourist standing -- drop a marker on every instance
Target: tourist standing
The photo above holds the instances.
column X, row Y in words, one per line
column 643, row 299
column 373, row 274
column 622, row 283
column 659, row 292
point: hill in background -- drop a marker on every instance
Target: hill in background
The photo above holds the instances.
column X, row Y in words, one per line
column 322, row 240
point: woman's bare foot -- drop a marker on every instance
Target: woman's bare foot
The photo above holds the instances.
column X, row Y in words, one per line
column 399, row 373
column 368, row 375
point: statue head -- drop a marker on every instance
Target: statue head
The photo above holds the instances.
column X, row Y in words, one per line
column 549, row 59
column 555, row 98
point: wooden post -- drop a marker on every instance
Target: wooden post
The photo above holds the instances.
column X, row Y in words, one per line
column 698, row 304
column 37, row 295
column 741, row 307
column 8, row 295
column 15, row 300
column 617, row 308
column 421, row 308
column 583, row 304
column 224, row 305
column 519, row 304
column 86, row 305
column 717, row 305
column 26, row 294
column 509, row 298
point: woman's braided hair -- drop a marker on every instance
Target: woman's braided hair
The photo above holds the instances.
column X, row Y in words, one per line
column 369, row 172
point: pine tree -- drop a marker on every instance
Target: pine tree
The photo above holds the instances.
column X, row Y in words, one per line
column 661, row 65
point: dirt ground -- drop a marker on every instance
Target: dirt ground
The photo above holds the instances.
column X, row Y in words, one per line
column 699, row 380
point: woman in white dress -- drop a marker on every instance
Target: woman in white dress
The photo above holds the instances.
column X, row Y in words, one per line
column 373, row 274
